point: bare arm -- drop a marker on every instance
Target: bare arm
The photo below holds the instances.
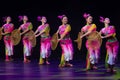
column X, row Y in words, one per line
column 66, row 31
column 36, row 32
column 39, row 33
column 93, row 26
column 19, row 28
column 87, row 33
column 4, row 33
column 25, row 31
column 57, row 32
column 63, row 35
column 107, row 36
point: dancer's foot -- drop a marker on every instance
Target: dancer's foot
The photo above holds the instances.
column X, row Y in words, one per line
column 11, row 59
column 41, row 62
column 61, row 65
column 68, row 65
column 28, row 60
column 95, row 67
column 47, row 62
column 25, row 60
column 7, row 60
column 108, row 70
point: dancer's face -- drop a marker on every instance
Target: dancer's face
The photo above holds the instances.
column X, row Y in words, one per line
column 8, row 19
column 89, row 19
column 65, row 20
column 25, row 18
column 107, row 20
column 43, row 20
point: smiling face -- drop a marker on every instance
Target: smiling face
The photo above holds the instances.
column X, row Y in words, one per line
column 89, row 19
column 25, row 18
column 8, row 19
column 107, row 21
column 43, row 20
column 65, row 20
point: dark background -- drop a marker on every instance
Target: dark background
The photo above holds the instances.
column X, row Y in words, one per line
column 73, row 9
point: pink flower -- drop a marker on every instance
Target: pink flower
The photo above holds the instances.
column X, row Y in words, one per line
column 85, row 15
column 102, row 19
column 20, row 18
column 61, row 16
column 39, row 18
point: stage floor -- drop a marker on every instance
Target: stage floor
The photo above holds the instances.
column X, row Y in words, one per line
column 17, row 70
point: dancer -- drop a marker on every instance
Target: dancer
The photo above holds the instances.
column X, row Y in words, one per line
column 26, row 27
column 65, row 42
column 8, row 28
column 91, row 45
column 43, row 31
column 112, row 43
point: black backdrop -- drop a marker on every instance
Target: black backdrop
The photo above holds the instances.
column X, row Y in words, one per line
column 74, row 9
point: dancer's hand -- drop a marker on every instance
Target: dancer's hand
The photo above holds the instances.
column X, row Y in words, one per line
column 35, row 35
column 3, row 33
column 81, row 36
column 102, row 37
column 21, row 34
column 59, row 40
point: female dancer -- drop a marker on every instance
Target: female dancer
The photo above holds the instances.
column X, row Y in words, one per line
column 65, row 42
column 45, row 48
column 8, row 28
column 112, row 43
column 93, row 52
column 26, row 27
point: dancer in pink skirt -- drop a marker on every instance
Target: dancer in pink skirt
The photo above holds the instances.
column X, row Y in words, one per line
column 45, row 48
column 112, row 43
column 93, row 51
column 8, row 28
column 26, row 27
column 65, row 42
